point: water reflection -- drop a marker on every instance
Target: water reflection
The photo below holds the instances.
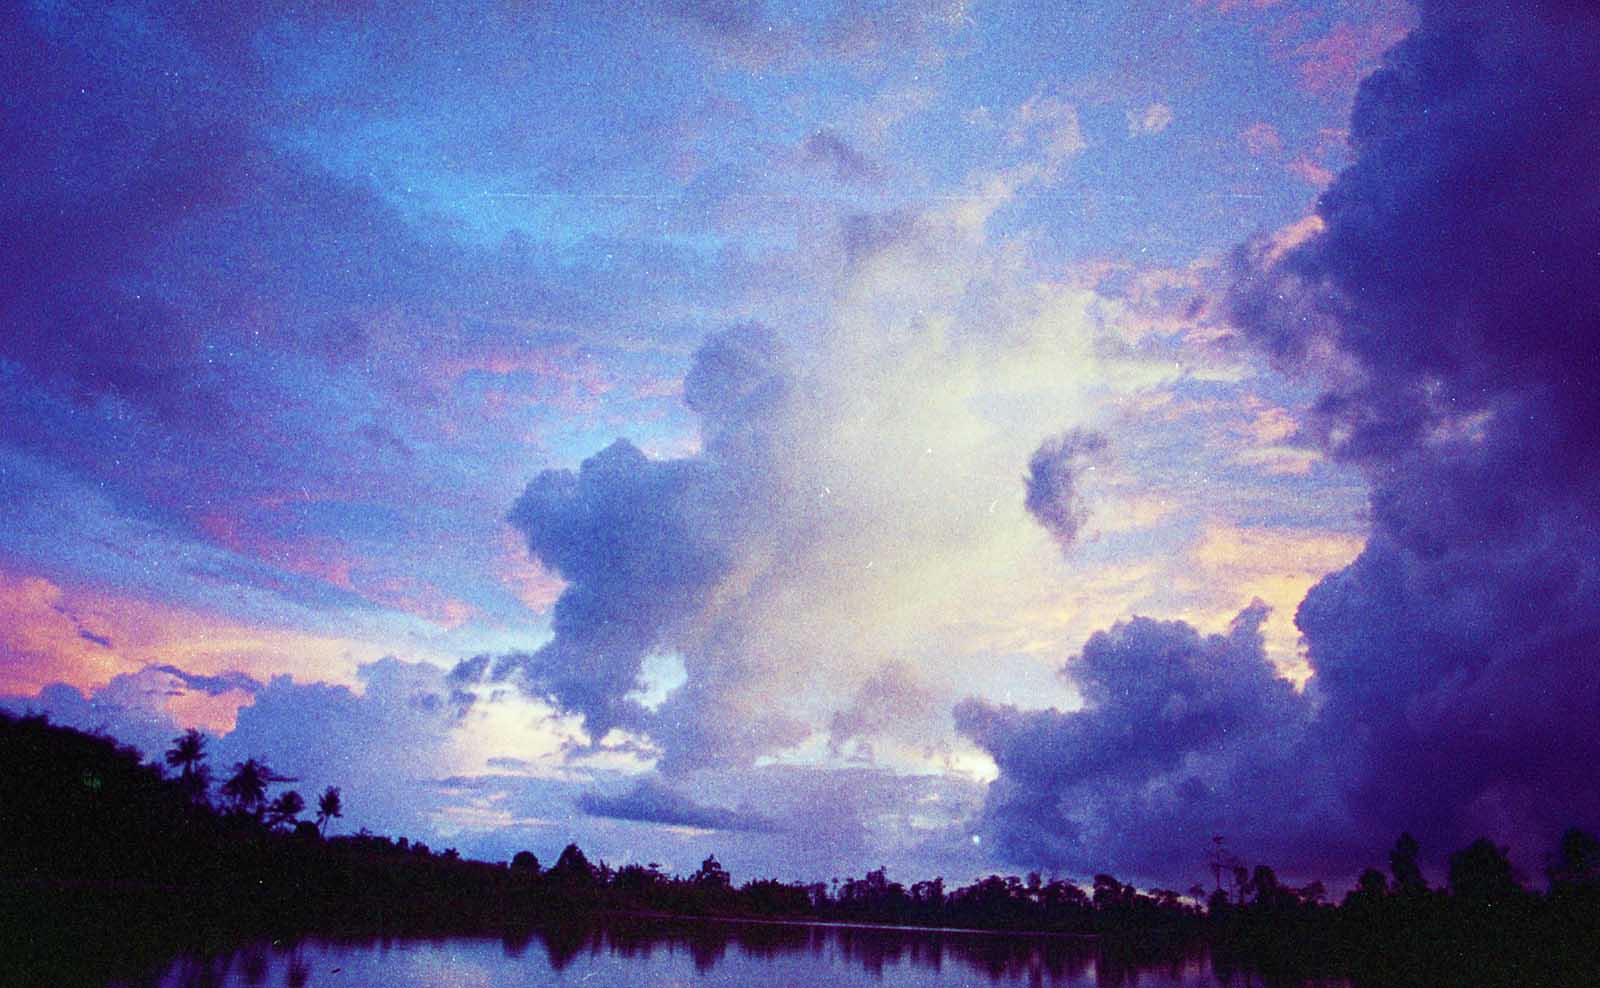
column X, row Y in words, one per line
column 708, row 954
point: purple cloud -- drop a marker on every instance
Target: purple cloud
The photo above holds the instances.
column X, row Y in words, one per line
column 828, row 148
column 1446, row 305
column 1054, row 473
column 651, row 801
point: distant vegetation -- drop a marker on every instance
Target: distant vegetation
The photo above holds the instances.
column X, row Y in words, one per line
column 91, row 837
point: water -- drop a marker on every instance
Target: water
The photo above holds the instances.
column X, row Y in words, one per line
column 646, row 954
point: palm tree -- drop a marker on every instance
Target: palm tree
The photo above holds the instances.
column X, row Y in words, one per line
column 188, row 753
column 285, row 809
column 247, row 787
column 197, row 784
column 329, row 805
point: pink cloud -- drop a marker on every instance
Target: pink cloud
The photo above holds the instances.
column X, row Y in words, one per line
column 44, row 639
column 1309, row 171
column 534, row 585
column 320, row 559
column 1236, row 6
column 86, row 638
column 1332, row 64
column 1261, row 138
column 408, row 594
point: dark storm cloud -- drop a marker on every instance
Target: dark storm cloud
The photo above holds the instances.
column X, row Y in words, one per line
column 1182, row 736
column 1449, row 308
column 650, row 801
column 1054, row 473
column 1457, row 275
column 203, row 307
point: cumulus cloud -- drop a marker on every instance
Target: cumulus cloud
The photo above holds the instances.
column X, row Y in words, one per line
column 1054, row 474
column 1181, row 736
column 632, row 537
column 1443, row 306
column 1443, row 298
column 845, row 499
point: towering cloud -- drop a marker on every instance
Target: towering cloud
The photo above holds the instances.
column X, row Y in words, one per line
column 622, row 532
column 853, row 499
column 1454, row 284
column 643, row 543
column 1447, row 303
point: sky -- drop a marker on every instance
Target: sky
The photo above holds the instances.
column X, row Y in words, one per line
column 956, row 436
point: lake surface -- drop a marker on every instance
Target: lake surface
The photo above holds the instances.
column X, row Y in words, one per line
column 708, row 954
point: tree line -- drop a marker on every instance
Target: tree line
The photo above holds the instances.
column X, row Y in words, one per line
column 246, row 789
column 88, row 830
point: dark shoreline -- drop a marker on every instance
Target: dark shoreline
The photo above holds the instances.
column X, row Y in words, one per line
column 107, row 863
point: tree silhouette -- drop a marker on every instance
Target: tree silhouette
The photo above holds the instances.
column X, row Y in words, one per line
column 1482, row 872
column 329, row 806
column 1577, row 863
column 247, row 787
column 712, row 875
column 285, row 809
column 572, row 868
column 1403, row 866
column 188, row 754
column 525, row 863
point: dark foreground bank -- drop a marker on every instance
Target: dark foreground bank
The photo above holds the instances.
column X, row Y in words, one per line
column 110, row 866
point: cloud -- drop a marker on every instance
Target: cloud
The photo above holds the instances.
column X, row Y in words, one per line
column 1054, row 474
column 1439, row 299
column 90, row 636
column 651, row 801
column 1149, row 121
column 1440, row 303
column 211, row 270
column 844, row 501
column 891, row 703
column 829, row 149
column 1181, row 735
column 1309, row 171
column 643, row 543
column 1261, row 138
column 1335, row 62
column 1048, row 126
column 213, row 685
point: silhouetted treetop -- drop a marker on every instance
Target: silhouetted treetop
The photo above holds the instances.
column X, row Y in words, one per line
column 330, row 805
column 1482, row 872
column 572, row 866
